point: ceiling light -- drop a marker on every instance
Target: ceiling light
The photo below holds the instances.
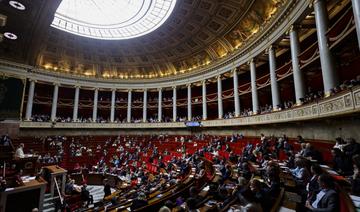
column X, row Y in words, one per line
column 17, row 5
column 112, row 19
column 10, row 36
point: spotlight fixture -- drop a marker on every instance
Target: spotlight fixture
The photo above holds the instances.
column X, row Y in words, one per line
column 10, row 36
column 17, row 5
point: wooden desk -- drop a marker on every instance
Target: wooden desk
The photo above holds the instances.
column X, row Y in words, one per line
column 30, row 195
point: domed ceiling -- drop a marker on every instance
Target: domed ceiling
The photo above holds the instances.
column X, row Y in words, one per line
column 196, row 34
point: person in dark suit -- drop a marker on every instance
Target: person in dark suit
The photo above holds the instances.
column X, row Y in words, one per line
column 327, row 200
column 107, row 188
column 352, row 148
column 85, row 196
column 194, row 193
column 260, row 194
column 313, row 186
column 342, row 162
column 355, row 179
column 139, row 202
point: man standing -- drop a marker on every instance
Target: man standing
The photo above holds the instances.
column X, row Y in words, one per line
column 107, row 188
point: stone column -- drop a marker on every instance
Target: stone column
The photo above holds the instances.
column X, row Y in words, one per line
column 128, row 117
column 236, row 93
column 160, row 105
column 204, row 101
column 254, row 92
column 96, row 93
column 54, row 102
column 219, row 94
column 189, row 111
column 112, row 109
column 275, row 94
column 356, row 11
column 145, row 106
column 76, row 103
column 329, row 73
column 30, row 100
column 174, row 104
column 299, row 83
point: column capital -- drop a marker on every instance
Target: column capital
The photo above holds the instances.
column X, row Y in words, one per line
column 294, row 28
column 188, row 85
column 129, row 90
column 312, row 2
column 252, row 60
column 56, row 84
column 272, row 47
column 96, row 89
column 32, row 80
column 113, row 89
column 145, row 90
column 234, row 70
column 77, row 86
column 173, row 87
column 203, row 81
column 218, row 76
column 159, row 89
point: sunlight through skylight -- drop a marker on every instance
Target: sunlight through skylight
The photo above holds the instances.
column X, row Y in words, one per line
column 112, row 19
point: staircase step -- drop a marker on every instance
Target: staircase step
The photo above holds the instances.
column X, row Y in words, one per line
column 49, row 210
column 48, row 205
column 47, row 195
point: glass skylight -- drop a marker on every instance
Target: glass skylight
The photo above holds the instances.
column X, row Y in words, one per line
column 112, row 19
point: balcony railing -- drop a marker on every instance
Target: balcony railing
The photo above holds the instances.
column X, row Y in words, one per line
column 343, row 103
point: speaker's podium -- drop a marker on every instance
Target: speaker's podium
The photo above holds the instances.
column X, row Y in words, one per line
column 26, row 197
column 52, row 173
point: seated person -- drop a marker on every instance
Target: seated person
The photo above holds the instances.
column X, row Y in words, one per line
column 311, row 153
column 355, row 179
column 139, row 202
column 313, row 186
column 302, row 150
column 260, row 194
column 223, row 196
column 273, row 182
column 340, row 143
column 351, row 148
column 19, row 153
column 193, row 192
column 244, row 170
column 300, row 172
column 5, row 140
column 191, row 205
column 248, row 204
column 71, row 188
column 327, row 199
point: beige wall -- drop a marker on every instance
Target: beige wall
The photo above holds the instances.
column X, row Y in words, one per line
column 325, row 129
column 9, row 127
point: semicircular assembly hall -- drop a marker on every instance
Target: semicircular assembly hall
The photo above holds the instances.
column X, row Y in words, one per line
column 179, row 105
